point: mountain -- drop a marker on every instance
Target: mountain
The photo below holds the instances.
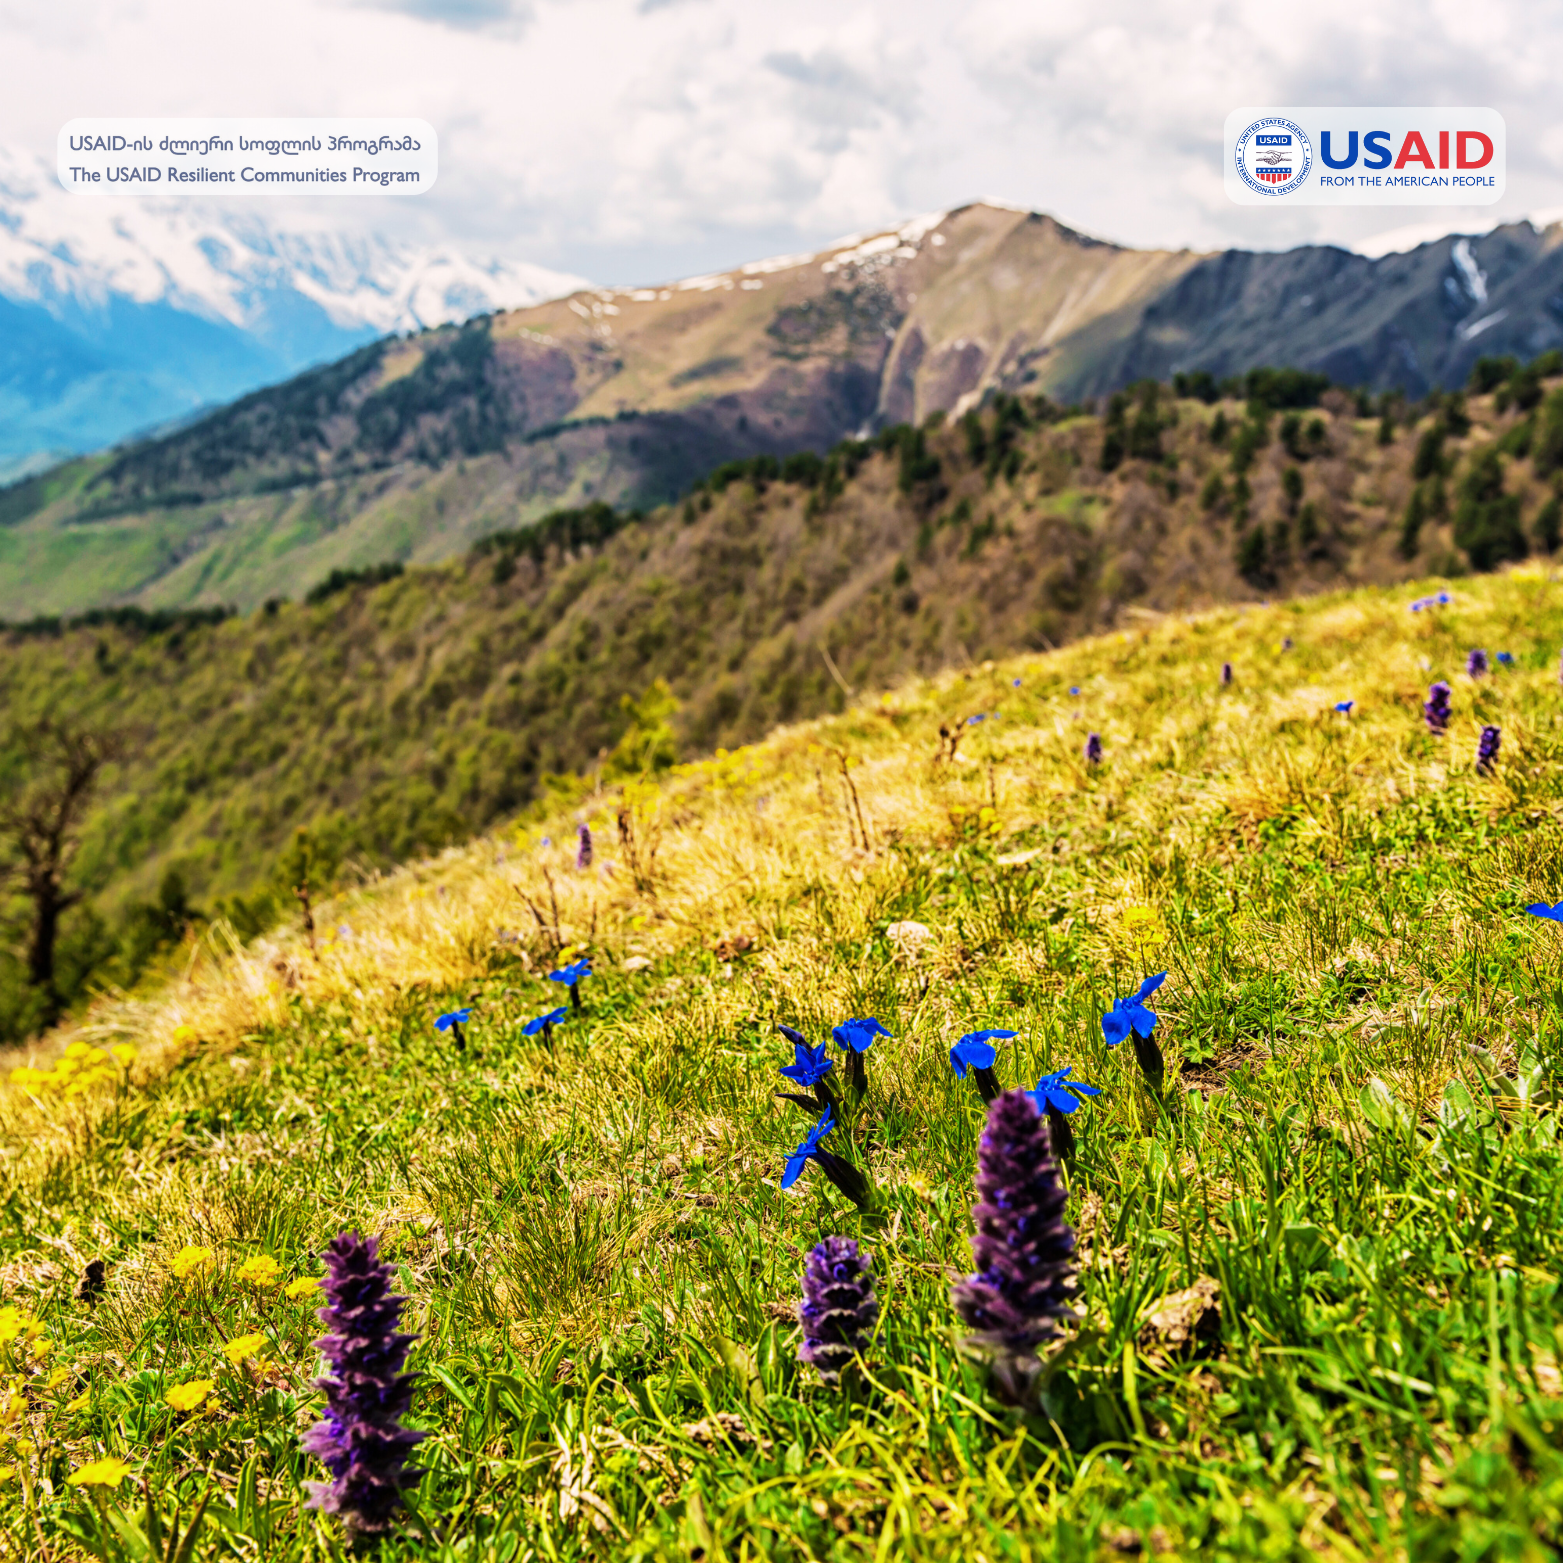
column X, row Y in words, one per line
column 116, row 316
column 413, row 449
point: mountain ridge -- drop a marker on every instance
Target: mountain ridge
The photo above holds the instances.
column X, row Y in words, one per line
column 412, row 449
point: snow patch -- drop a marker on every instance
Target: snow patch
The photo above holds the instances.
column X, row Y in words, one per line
column 1474, row 278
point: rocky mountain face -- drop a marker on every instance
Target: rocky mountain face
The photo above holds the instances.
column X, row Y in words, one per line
column 413, row 449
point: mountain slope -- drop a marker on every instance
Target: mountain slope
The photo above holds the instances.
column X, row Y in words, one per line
column 392, row 719
column 116, row 316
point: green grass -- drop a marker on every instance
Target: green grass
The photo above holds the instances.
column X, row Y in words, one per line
column 1358, row 1141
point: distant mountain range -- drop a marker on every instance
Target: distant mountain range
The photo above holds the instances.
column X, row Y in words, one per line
column 412, row 449
column 116, row 317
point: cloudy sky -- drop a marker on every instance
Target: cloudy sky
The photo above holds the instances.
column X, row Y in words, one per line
column 632, row 140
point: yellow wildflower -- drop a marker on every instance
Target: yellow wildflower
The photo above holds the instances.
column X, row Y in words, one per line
column 16, row 1322
column 57, row 1378
column 78, row 1050
column 79, row 1403
column 189, row 1259
column 297, row 1290
column 1143, row 923
column 125, row 1053
column 184, row 1033
column 7, row 1472
column 244, row 1346
column 261, row 1271
column 108, row 1472
column 190, row 1397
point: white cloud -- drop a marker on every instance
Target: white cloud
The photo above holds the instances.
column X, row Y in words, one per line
column 636, row 139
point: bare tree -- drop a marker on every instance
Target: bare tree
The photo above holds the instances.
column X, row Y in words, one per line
column 40, row 818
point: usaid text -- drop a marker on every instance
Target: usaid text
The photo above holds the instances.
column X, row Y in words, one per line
column 1364, row 156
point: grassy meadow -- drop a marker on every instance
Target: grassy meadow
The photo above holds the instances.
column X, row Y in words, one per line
column 1320, row 1271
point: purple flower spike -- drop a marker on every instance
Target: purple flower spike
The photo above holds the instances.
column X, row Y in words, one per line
column 1226, row 672
column 1435, row 709
column 839, row 1306
column 1093, row 749
column 362, row 1442
column 583, row 849
column 1023, row 1249
column 1476, row 663
column 1487, row 750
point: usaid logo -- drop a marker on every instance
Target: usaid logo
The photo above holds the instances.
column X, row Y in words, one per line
column 1274, row 156
column 1365, row 156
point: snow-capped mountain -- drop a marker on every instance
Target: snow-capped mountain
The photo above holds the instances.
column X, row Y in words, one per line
column 118, row 315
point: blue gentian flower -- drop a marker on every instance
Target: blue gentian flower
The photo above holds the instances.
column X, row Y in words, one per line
column 1055, row 1102
column 809, row 1065
column 808, row 1148
column 1015, row 684
column 974, row 1051
column 1344, row 706
column 546, row 1024
column 572, row 974
column 1130, row 1014
column 453, row 1022
column 841, row 1172
column 1074, row 689
column 854, row 1038
column 1506, row 658
column 1541, row 909
column 1053, row 1091
column 981, row 716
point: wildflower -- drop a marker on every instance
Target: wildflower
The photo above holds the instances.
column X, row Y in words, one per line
column 1476, row 663
column 1130, row 1017
column 1093, row 749
column 124, row 1053
column 16, row 1323
column 297, row 1291
column 262, row 1271
column 808, row 1068
column 1506, row 658
column 1131, row 1014
column 1435, row 709
column 583, row 849
column 842, row 1173
column 1022, row 1248
column 1286, row 645
column 453, row 1021
column 854, row 1038
column 243, row 1347
column 1541, row 909
column 981, row 716
column 546, row 1024
column 1487, row 750
column 1053, row 1097
column 571, row 975
column 839, row 1306
column 108, row 1472
column 190, row 1259
column 190, row 1396
column 1144, row 925
column 1226, row 672
column 1344, row 706
column 975, row 1051
column 1015, row 683
column 361, row 1440
column 1074, row 689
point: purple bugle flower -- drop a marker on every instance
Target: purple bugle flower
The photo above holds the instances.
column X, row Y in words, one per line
column 1023, row 1249
column 583, row 847
column 1435, row 709
column 1476, row 663
column 839, row 1306
column 1093, row 749
column 361, row 1442
column 1487, row 750
column 1226, row 672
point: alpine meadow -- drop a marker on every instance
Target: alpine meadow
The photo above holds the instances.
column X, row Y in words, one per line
column 989, row 986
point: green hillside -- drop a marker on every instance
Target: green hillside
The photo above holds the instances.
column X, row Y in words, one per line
column 1319, row 1251
column 392, row 719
